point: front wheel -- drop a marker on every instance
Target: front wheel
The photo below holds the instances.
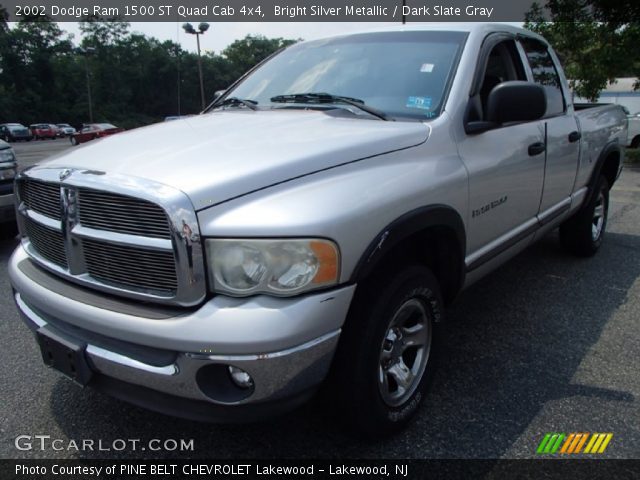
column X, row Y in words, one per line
column 583, row 233
column 387, row 353
column 73, row 141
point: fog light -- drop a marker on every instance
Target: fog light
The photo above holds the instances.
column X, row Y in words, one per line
column 240, row 377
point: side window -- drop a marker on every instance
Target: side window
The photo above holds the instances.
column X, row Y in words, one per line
column 545, row 74
column 503, row 65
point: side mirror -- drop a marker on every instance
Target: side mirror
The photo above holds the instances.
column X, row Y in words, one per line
column 218, row 94
column 514, row 101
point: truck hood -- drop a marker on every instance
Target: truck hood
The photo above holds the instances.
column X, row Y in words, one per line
column 225, row 154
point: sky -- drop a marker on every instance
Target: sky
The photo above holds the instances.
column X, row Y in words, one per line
column 222, row 34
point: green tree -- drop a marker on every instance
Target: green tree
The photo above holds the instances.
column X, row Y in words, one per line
column 4, row 16
column 28, row 55
column 251, row 50
column 135, row 79
column 596, row 40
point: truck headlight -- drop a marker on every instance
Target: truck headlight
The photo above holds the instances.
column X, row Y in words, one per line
column 277, row 267
column 7, row 173
column 7, row 156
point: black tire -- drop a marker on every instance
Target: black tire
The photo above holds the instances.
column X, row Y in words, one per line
column 635, row 143
column 583, row 233
column 73, row 141
column 365, row 351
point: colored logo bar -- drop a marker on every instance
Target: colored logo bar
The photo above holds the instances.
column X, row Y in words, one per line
column 574, row 443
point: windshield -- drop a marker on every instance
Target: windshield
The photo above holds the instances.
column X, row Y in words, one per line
column 403, row 74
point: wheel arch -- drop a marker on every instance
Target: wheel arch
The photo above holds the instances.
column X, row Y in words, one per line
column 608, row 165
column 433, row 235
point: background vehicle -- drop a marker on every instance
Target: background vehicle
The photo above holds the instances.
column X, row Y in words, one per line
column 13, row 132
column 40, row 131
column 56, row 130
column 66, row 130
column 94, row 130
column 8, row 170
column 312, row 225
column 633, row 137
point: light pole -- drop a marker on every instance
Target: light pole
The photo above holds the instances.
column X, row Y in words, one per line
column 203, row 27
column 88, row 51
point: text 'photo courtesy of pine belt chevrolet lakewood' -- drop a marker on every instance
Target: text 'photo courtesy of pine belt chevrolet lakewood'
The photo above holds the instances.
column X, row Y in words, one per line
column 310, row 227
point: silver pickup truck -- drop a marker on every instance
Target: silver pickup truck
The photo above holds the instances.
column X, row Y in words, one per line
column 310, row 226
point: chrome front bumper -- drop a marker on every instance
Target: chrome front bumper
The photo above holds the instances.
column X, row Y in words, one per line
column 286, row 345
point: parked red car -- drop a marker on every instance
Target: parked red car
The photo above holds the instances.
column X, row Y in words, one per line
column 40, row 131
column 92, row 131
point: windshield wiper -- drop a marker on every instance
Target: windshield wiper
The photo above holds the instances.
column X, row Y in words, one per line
column 251, row 104
column 329, row 98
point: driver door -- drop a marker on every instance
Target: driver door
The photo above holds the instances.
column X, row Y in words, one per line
column 505, row 176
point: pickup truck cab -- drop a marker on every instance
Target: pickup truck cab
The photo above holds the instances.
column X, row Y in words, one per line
column 311, row 226
column 8, row 171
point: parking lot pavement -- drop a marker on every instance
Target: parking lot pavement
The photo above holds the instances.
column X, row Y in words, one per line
column 30, row 153
column 547, row 343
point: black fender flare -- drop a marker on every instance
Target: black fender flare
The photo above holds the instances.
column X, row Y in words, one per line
column 403, row 227
column 609, row 148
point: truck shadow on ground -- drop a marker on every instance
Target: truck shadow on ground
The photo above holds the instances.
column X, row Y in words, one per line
column 514, row 342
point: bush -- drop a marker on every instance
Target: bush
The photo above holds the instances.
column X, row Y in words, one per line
column 632, row 156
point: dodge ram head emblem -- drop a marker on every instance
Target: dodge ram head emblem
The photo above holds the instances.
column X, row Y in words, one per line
column 64, row 174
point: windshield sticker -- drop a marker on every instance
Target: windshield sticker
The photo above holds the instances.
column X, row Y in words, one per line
column 427, row 67
column 419, row 102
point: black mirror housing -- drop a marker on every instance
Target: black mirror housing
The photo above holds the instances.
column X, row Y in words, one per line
column 516, row 101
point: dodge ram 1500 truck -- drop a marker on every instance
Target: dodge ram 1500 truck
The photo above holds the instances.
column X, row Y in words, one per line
column 311, row 225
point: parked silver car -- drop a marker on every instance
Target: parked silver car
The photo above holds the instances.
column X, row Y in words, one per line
column 65, row 129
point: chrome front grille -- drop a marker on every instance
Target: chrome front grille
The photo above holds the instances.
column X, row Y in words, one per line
column 95, row 230
column 131, row 266
column 42, row 197
column 122, row 214
column 47, row 241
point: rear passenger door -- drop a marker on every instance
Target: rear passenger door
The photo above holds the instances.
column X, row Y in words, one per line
column 561, row 131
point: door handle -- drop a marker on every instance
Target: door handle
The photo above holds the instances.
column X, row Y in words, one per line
column 536, row 148
column 574, row 136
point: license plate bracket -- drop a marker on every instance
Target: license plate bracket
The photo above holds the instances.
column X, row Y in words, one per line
column 65, row 354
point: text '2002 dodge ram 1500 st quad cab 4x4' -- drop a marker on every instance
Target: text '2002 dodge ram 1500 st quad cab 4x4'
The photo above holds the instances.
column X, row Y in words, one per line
column 312, row 224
